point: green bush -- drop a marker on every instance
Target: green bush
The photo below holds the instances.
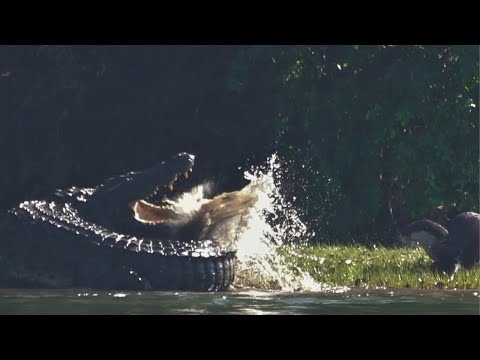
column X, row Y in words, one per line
column 393, row 128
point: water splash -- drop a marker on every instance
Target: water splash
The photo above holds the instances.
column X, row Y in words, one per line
column 273, row 222
column 191, row 201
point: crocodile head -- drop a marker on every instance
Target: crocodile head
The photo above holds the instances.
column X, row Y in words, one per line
column 192, row 216
column 164, row 201
column 111, row 203
column 195, row 211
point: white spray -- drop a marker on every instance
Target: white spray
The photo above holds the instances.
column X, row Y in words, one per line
column 272, row 223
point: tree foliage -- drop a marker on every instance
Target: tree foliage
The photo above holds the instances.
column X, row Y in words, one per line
column 395, row 128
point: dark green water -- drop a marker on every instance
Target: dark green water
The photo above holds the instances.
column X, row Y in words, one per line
column 247, row 302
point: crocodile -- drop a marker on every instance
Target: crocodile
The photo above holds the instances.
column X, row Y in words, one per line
column 135, row 231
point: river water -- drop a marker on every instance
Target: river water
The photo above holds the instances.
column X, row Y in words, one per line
column 239, row 302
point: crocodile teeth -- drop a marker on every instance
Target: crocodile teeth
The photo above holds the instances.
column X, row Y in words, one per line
column 185, row 174
column 170, row 187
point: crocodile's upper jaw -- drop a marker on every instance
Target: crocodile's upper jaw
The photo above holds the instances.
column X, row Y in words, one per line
column 147, row 183
column 125, row 189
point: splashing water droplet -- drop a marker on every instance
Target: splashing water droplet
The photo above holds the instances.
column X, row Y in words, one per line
column 273, row 222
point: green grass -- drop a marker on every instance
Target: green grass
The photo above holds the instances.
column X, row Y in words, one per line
column 371, row 267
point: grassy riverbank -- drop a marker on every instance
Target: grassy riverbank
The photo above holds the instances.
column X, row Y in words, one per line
column 368, row 267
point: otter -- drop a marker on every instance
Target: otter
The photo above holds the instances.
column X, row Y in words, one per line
column 450, row 247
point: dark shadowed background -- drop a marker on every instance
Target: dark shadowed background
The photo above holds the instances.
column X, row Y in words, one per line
column 376, row 135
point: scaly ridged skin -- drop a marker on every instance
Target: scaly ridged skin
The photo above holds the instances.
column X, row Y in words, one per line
column 43, row 255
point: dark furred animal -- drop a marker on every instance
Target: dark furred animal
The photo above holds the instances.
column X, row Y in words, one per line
column 132, row 232
column 456, row 244
column 464, row 236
